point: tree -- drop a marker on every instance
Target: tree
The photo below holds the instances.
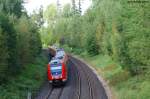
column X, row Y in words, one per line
column 74, row 6
column 11, row 44
column 3, row 56
column 12, row 7
column 50, row 14
column 37, row 17
column 80, row 9
column 58, row 8
column 29, row 40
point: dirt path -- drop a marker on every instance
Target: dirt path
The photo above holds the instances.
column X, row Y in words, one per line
column 82, row 84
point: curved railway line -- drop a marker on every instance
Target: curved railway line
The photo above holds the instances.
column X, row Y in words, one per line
column 82, row 84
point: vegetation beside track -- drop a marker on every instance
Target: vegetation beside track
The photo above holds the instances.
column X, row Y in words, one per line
column 20, row 45
column 20, row 41
column 29, row 81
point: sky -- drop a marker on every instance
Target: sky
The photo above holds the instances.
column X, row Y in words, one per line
column 31, row 5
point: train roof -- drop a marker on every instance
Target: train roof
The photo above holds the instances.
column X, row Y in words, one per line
column 58, row 57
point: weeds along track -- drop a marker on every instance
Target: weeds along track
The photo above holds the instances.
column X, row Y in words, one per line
column 82, row 84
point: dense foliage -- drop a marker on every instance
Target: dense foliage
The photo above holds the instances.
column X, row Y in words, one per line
column 117, row 28
column 19, row 39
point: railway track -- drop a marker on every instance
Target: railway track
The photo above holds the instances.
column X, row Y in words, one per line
column 82, row 84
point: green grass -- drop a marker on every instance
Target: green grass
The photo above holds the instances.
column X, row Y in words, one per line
column 122, row 84
column 29, row 80
column 133, row 89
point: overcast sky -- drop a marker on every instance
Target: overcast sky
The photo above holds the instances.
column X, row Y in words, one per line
column 35, row 4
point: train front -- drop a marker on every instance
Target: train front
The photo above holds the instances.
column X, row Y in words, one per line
column 57, row 73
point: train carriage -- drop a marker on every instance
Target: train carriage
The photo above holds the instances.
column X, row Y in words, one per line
column 57, row 69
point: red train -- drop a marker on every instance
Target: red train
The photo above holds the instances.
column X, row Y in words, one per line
column 57, row 69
